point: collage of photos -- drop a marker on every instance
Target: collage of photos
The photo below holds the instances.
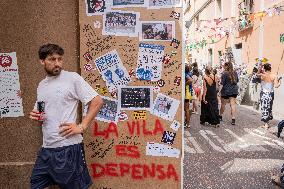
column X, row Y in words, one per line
column 128, row 23
column 139, row 108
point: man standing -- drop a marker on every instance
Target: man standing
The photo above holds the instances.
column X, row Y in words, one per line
column 61, row 159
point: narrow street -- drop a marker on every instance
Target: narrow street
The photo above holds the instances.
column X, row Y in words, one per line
column 241, row 156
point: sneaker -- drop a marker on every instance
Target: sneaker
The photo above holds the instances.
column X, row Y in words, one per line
column 265, row 126
column 233, row 122
column 216, row 126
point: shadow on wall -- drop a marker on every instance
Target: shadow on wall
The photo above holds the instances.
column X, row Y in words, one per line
column 246, row 33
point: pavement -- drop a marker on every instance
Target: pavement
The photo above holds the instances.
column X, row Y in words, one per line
column 232, row 157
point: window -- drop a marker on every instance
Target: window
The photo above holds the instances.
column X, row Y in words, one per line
column 219, row 8
column 238, row 46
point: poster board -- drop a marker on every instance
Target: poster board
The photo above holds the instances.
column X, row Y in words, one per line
column 131, row 53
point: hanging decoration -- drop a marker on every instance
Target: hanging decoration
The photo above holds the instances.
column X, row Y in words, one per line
column 215, row 30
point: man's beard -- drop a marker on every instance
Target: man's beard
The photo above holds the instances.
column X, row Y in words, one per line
column 54, row 72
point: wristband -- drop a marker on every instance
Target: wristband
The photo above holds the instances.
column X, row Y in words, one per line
column 81, row 127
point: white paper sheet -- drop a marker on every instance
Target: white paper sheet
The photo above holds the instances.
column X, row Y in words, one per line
column 10, row 97
column 157, row 149
column 157, row 4
column 112, row 70
column 149, row 63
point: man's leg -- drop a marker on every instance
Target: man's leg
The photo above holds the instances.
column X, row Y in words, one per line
column 40, row 177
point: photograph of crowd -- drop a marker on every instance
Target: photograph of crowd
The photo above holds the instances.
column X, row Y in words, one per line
column 165, row 107
column 164, row 3
column 119, row 3
column 157, row 31
column 121, row 23
column 163, row 104
column 109, row 111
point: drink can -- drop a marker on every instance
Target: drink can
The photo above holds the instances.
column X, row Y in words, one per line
column 40, row 108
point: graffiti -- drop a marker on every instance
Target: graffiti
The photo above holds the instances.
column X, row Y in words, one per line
column 95, row 43
column 137, row 127
column 135, row 171
column 130, row 140
column 127, row 151
column 98, row 149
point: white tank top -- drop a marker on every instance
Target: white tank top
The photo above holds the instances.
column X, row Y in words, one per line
column 267, row 86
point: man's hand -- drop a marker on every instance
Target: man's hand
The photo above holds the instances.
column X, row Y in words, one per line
column 69, row 129
column 34, row 115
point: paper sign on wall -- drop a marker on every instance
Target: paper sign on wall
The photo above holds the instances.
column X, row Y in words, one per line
column 135, row 98
column 165, row 107
column 149, row 63
column 112, row 70
column 157, row 149
column 109, row 111
column 10, row 98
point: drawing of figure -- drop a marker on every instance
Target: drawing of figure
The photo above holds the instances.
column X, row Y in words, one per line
column 96, row 6
column 144, row 74
column 119, row 72
column 108, row 76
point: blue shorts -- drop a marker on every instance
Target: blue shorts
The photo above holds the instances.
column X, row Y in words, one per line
column 63, row 166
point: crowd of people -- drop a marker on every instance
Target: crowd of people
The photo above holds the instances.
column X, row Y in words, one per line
column 213, row 89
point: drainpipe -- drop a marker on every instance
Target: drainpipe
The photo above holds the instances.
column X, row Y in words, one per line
column 261, row 32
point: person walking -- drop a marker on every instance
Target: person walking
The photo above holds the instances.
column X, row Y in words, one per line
column 188, row 94
column 209, row 103
column 216, row 74
column 61, row 159
column 268, row 82
column 196, row 86
column 229, row 90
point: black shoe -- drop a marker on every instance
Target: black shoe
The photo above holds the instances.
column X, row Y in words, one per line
column 233, row 121
column 202, row 123
column 220, row 118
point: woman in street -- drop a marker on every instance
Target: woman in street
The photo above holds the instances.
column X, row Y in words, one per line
column 197, row 86
column 229, row 90
column 268, row 82
column 209, row 103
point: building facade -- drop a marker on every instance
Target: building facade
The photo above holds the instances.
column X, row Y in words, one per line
column 237, row 30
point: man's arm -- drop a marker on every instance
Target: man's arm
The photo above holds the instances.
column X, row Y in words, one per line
column 94, row 107
column 69, row 129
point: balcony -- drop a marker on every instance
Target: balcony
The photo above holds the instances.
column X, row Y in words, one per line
column 244, row 23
